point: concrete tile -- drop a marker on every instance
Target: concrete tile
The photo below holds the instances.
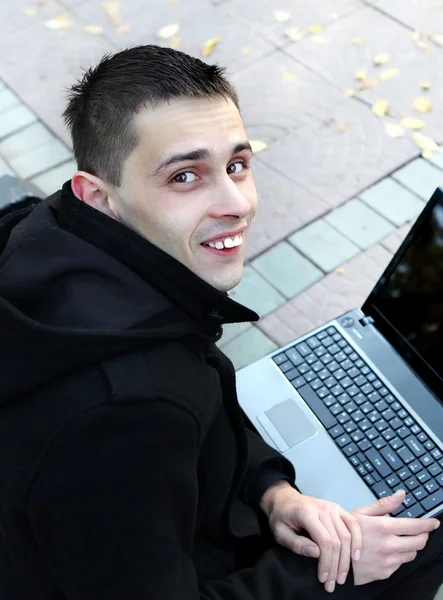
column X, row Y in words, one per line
column 51, row 181
column 248, row 347
column 15, row 119
column 8, row 100
column 359, row 223
column 283, row 207
column 286, row 269
column 5, row 169
column 439, row 595
column 393, row 242
column 393, row 201
column 437, row 160
column 2, row 86
column 416, row 14
column 256, row 293
column 231, row 331
column 41, row 159
column 420, row 177
column 25, row 140
column 324, row 245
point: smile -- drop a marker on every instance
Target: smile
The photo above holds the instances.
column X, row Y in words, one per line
column 227, row 242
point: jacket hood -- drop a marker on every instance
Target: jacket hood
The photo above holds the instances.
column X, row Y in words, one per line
column 69, row 299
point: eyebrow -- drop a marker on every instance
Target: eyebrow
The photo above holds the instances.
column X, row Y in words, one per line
column 199, row 154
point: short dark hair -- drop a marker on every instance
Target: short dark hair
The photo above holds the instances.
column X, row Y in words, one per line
column 102, row 104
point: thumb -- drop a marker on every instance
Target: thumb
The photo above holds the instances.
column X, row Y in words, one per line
column 383, row 506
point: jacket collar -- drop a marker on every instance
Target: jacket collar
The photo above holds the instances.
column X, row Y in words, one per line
column 209, row 307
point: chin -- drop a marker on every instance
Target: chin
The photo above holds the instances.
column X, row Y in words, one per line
column 227, row 282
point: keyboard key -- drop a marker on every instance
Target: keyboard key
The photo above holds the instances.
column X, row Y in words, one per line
column 379, row 462
column 348, row 350
column 358, row 416
column 365, row 370
column 359, row 363
column 412, row 513
column 359, row 399
column 313, row 343
column 330, row 382
column 303, row 368
column 291, row 374
column 429, row 445
column 360, row 380
column 317, row 406
column 422, row 437
column 331, row 330
column 326, row 358
column 405, row 454
column 365, row 445
column 366, row 407
column 336, row 409
column 347, row 364
column 436, row 454
column 320, row 351
column 381, row 489
column 396, row 443
column 353, row 372
column 402, row 413
column 431, row 486
column 379, row 443
column 381, row 406
column 350, row 450
column 298, row 382
column 404, row 473
column 367, row 389
column 392, row 458
column 279, row 358
column 354, row 460
column 415, row 466
column 340, row 357
column 383, row 391
column 434, row 500
column 350, row 426
column 346, row 382
column 361, row 470
column 344, row 398
column 350, row 407
column 365, row 424
column 415, row 429
column 334, row 349
column 412, row 483
column 336, row 431
column 339, row 374
column 369, row 479
column 409, row 500
column 343, row 418
column 395, row 403
column 343, row 440
column 310, row 375
column 392, row 480
column 388, row 414
column 374, row 396
column 371, row 377
column 372, row 434
column 440, row 479
column 329, row 400
column 337, row 337
column 303, row 349
column 368, row 466
column 342, row 343
column 395, row 423
column 423, row 477
column 316, row 384
column 337, row 390
column 286, row 366
column 323, row 374
column 354, row 356
column 413, row 444
column 426, row 460
column 318, row 366
column 388, row 434
column 381, row 425
column 377, row 384
column 321, row 335
column 294, row 357
column 403, row 432
column 409, row 421
column 434, row 469
column 374, row 416
column 357, row 436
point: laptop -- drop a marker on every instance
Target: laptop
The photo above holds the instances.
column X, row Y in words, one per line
column 357, row 404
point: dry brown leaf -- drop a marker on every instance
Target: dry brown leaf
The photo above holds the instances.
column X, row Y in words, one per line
column 210, row 45
column 175, row 42
column 258, row 146
column 359, row 41
column 412, row 123
column 394, row 131
column 340, row 270
column 121, row 29
column 112, row 9
column 389, row 73
column 426, row 143
column 30, row 12
column 319, row 39
column 422, row 104
column 246, row 51
column 168, row 31
column 342, row 127
column 93, row 29
column 425, row 85
column 282, row 16
column 295, row 34
column 380, row 108
column 350, row 93
column 316, row 29
column 289, row 77
column 59, row 22
column 381, row 59
column 368, row 83
column 360, row 75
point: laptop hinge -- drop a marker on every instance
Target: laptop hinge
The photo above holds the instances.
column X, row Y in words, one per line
column 366, row 321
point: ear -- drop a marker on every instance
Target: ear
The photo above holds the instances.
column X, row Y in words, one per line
column 94, row 191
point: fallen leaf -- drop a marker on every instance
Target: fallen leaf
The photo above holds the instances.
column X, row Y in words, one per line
column 394, row 131
column 168, row 31
column 425, row 85
column 316, row 29
column 381, row 59
column 210, row 45
column 31, row 12
column 121, row 29
column 350, row 93
column 93, row 29
column 422, row 104
column 59, row 22
column 426, row 154
column 41, row 3
column 246, row 51
column 380, row 108
column 360, row 75
column 368, row 83
column 438, row 39
column 175, row 42
column 412, row 123
column 340, row 270
column 342, row 127
column 389, row 73
column 113, row 11
column 295, row 34
column 319, row 39
column 359, row 41
column 426, row 143
column 258, row 146
column 282, row 16
column 289, row 77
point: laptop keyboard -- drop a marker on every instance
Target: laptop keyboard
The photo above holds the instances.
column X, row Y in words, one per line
column 374, row 431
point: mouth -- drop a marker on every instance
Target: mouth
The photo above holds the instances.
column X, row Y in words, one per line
column 226, row 245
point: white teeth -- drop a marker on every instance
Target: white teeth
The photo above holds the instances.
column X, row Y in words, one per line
column 219, row 245
column 229, row 243
column 237, row 240
column 211, row 245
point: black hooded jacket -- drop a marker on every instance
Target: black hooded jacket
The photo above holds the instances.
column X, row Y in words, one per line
column 126, row 468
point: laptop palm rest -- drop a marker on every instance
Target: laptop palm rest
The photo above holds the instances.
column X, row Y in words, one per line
column 287, row 425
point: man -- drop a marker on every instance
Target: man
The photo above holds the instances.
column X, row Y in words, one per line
column 126, row 468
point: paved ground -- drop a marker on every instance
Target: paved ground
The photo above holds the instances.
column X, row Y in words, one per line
column 338, row 189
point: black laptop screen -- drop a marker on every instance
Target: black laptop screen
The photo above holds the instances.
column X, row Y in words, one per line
column 407, row 302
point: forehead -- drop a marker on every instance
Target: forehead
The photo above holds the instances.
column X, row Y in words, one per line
column 182, row 124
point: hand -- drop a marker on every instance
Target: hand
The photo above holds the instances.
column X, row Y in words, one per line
column 335, row 533
column 388, row 542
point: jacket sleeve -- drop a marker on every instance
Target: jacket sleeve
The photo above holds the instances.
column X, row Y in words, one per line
column 113, row 510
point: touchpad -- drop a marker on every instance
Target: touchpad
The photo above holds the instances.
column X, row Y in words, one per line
column 290, row 422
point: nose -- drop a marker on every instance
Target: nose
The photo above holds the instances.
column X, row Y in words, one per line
column 233, row 199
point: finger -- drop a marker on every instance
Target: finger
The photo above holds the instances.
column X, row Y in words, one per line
column 353, row 526
column 414, row 526
column 408, row 557
column 334, row 545
column 411, row 543
column 383, row 506
column 299, row 544
column 345, row 549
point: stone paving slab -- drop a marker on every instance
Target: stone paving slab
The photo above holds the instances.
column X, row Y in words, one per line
column 8, row 100
column 256, row 293
column 335, row 294
column 394, row 241
column 52, row 180
column 393, row 201
column 419, row 15
column 247, row 347
column 42, row 158
column 15, row 119
column 421, row 177
column 25, row 140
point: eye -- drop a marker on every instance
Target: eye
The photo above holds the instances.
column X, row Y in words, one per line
column 232, row 170
column 184, row 177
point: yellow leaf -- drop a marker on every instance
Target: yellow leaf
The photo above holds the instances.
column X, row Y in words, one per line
column 60, row 22
column 394, row 131
column 422, row 104
column 426, row 154
column 381, row 59
column 282, row 16
column 342, row 127
column 168, row 31
column 425, row 143
column 31, row 12
column 121, row 29
column 210, row 45
column 438, row 39
column 175, row 42
column 350, row 93
column 246, row 51
column 389, row 73
column 412, row 123
column 316, row 29
column 319, row 39
column 358, row 41
column 295, row 34
column 360, row 75
column 258, row 146
column 340, row 270
column 112, row 9
column 425, row 85
column 93, row 29
column 368, row 83
column 380, row 108
column 289, row 77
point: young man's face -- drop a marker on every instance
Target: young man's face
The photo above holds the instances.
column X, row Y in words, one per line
column 188, row 188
